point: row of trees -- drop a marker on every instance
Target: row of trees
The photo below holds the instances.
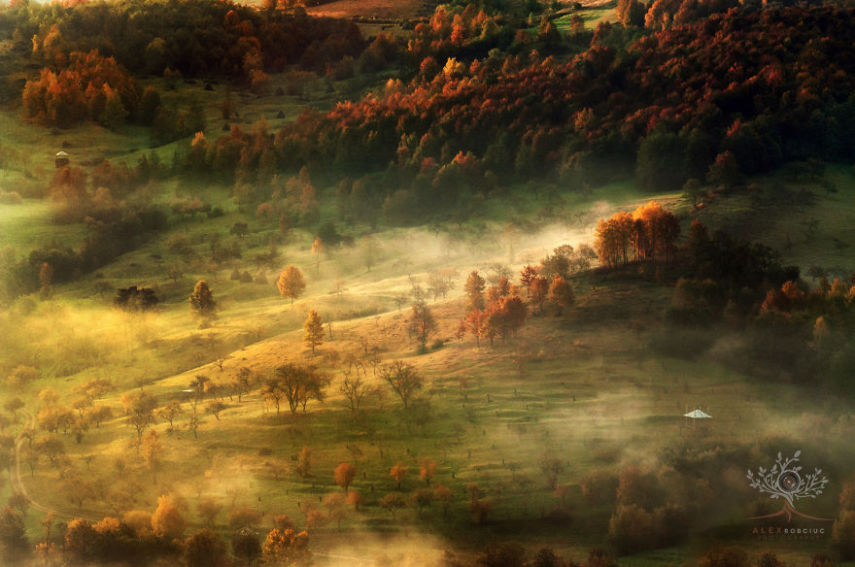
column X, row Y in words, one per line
column 299, row 384
column 160, row 536
column 664, row 14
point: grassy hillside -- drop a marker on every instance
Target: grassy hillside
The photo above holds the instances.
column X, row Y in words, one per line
column 585, row 388
column 388, row 171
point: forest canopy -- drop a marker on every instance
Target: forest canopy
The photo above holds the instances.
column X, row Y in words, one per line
column 737, row 94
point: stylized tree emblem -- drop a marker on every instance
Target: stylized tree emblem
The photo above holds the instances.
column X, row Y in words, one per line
column 784, row 481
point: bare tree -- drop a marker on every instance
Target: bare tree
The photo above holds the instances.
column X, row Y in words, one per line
column 242, row 382
column 299, row 384
column 421, row 323
column 140, row 408
column 404, row 380
column 352, row 386
column 169, row 412
column 273, row 393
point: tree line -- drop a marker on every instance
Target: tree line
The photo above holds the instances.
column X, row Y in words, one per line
column 191, row 37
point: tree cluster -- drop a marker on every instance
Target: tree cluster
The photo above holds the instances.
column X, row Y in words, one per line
column 296, row 384
column 89, row 86
column 142, row 538
column 188, row 38
column 649, row 232
column 500, row 312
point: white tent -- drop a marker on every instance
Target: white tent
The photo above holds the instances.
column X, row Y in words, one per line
column 698, row 414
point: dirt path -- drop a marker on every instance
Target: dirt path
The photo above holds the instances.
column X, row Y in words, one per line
column 17, row 479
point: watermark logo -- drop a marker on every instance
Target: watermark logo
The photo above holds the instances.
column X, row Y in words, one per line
column 785, row 481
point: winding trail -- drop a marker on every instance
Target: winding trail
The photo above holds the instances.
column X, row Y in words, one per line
column 17, row 480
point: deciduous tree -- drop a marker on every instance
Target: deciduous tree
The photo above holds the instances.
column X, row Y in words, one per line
column 152, row 450
column 139, row 407
column 291, row 283
column 313, row 330
column 344, row 475
column 202, row 302
column 205, row 548
column 612, row 239
column 352, row 386
column 399, row 473
column 299, row 385
column 304, row 462
column 561, row 294
column 404, row 380
column 335, row 504
column 169, row 412
column 474, row 289
column 421, row 323
column 474, row 323
column 167, row 520
column 242, row 382
column 537, row 292
column 552, row 468
column 285, row 547
column 427, row 469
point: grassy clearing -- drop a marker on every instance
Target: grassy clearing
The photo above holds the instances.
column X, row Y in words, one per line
column 592, row 15
column 29, row 225
column 806, row 220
